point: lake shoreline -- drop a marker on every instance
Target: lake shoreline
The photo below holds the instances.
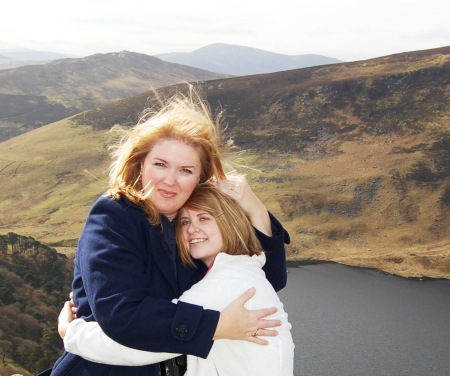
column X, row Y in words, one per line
column 299, row 263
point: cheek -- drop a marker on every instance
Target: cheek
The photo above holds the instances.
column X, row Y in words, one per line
column 150, row 177
column 147, row 180
column 188, row 186
column 184, row 234
column 220, row 241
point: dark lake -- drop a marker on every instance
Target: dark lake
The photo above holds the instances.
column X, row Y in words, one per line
column 358, row 322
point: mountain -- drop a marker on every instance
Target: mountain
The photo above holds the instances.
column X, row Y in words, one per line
column 12, row 58
column 32, row 55
column 7, row 62
column 354, row 159
column 33, row 95
column 241, row 61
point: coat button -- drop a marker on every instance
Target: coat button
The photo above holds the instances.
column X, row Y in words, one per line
column 182, row 330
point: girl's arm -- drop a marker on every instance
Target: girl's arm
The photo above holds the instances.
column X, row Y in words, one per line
column 87, row 340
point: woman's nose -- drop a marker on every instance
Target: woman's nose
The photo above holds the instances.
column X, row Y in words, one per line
column 169, row 179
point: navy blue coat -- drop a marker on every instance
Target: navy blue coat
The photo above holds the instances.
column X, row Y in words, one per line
column 126, row 274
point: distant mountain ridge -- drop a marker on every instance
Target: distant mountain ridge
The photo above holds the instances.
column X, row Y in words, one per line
column 32, row 55
column 12, row 58
column 39, row 93
column 240, row 60
column 33, row 95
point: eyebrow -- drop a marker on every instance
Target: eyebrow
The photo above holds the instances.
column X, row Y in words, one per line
column 163, row 160
column 199, row 214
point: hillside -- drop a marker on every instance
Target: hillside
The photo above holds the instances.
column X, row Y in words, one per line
column 34, row 95
column 34, row 283
column 242, row 60
column 354, row 159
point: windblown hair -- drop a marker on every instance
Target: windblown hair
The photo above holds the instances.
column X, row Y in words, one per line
column 238, row 234
column 185, row 118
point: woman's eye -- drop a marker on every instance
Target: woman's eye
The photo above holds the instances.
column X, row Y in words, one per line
column 205, row 218
column 159, row 164
column 186, row 171
column 185, row 222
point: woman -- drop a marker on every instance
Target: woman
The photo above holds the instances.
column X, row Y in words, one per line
column 126, row 267
column 211, row 228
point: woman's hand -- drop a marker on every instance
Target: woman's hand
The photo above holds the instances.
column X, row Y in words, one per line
column 66, row 316
column 237, row 187
column 237, row 322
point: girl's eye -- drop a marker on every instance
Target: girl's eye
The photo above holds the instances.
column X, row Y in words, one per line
column 159, row 164
column 185, row 222
column 186, row 171
column 204, row 218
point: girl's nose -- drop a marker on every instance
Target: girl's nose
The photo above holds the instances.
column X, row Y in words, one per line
column 192, row 228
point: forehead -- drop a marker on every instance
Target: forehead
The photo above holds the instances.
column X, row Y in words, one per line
column 175, row 149
column 187, row 212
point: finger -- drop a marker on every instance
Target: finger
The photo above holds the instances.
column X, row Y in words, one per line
column 71, row 298
column 265, row 312
column 247, row 295
column 267, row 333
column 258, row 341
column 268, row 324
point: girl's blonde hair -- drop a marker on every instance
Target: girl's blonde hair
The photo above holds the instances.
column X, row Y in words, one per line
column 238, row 234
column 185, row 118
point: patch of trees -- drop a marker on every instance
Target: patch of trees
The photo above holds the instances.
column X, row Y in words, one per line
column 34, row 282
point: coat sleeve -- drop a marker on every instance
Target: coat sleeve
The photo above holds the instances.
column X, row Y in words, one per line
column 86, row 339
column 275, row 267
column 117, row 284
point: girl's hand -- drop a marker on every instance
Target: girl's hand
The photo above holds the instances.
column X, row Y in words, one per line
column 237, row 187
column 66, row 316
column 237, row 322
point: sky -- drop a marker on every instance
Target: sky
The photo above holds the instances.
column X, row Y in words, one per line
column 348, row 30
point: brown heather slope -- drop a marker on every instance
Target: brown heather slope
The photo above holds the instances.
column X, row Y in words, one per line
column 354, row 159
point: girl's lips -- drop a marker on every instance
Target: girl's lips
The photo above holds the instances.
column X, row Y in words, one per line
column 197, row 240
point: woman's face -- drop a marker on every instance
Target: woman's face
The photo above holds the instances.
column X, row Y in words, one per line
column 170, row 172
column 202, row 235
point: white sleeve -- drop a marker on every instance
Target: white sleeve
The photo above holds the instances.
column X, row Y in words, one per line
column 88, row 340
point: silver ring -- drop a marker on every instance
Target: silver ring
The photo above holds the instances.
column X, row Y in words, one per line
column 256, row 334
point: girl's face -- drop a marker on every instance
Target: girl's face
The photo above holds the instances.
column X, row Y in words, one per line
column 202, row 235
column 170, row 172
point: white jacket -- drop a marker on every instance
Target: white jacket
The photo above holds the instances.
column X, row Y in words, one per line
column 229, row 277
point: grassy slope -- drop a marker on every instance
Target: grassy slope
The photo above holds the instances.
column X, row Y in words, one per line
column 54, row 173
